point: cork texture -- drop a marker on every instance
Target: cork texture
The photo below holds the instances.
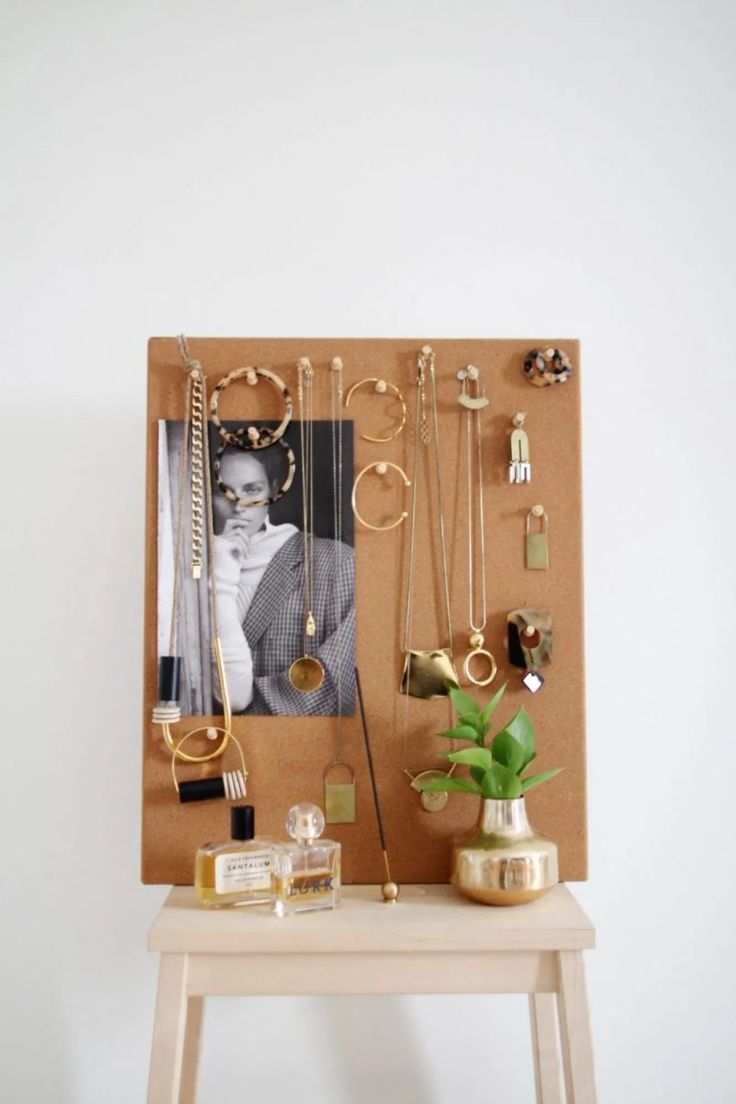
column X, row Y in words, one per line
column 286, row 756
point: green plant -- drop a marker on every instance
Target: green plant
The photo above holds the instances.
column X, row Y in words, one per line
column 495, row 771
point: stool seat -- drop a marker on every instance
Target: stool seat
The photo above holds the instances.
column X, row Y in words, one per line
column 431, row 941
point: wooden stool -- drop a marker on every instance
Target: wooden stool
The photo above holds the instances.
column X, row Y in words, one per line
column 432, row 941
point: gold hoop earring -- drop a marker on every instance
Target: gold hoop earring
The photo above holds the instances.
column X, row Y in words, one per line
column 253, row 437
column 381, row 467
column 381, row 387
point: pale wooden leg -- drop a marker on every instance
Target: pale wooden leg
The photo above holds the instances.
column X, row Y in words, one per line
column 577, row 1044
column 545, row 1047
column 192, row 1037
column 169, row 1030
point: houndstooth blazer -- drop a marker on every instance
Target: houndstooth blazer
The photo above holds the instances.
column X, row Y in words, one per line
column 274, row 629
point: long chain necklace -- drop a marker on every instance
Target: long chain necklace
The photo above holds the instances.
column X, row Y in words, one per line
column 307, row 673
column 195, row 435
column 339, row 795
column 472, row 397
column 426, row 672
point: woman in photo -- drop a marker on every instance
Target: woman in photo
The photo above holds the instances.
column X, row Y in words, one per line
column 259, row 579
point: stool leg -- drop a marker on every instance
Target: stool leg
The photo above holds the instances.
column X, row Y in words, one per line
column 192, row 1037
column 545, row 1047
column 169, row 1029
column 577, row 1044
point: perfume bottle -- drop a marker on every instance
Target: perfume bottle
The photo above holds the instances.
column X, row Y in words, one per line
column 306, row 873
column 237, row 872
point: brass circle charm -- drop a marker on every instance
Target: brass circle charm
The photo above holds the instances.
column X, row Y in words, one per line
column 546, row 366
column 175, row 746
column 433, row 801
column 487, row 656
column 253, row 437
column 381, row 467
column 230, row 493
column 306, row 674
column 381, row 387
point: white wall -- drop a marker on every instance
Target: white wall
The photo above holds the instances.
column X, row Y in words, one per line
column 493, row 168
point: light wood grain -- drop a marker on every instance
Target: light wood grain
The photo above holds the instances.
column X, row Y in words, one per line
column 426, row 919
column 167, row 1052
column 577, row 1043
column 546, row 1047
column 433, row 941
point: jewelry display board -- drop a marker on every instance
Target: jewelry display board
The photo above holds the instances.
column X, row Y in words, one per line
column 286, row 755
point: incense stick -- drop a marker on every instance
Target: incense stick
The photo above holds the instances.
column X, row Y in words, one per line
column 389, row 889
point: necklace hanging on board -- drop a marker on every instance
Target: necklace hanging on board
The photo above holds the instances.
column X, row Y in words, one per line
column 339, row 776
column 194, row 463
column 307, row 674
column 479, row 666
column 426, row 672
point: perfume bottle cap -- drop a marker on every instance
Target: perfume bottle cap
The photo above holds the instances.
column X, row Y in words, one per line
column 242, row 822
column 305, row 822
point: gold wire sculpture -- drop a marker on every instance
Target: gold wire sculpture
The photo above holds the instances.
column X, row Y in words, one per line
column 381, row 387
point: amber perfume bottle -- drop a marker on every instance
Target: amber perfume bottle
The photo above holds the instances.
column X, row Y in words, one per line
column 237, row 872
column 306, row 873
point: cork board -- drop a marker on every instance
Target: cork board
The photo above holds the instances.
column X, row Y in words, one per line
column 286, row 755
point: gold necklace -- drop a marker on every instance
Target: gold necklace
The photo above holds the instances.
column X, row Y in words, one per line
column 307, row 674
column 472, row 397
column 426, row 672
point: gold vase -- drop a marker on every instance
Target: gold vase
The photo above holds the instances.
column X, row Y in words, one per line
column 504, row 861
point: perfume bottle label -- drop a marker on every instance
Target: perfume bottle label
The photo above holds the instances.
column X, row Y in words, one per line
column 243, row 871
column 309, row 887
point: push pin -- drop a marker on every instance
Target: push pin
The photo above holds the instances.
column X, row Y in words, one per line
column 520, row 468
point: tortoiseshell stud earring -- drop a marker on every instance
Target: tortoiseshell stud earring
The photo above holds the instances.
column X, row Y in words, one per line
column 546, row 366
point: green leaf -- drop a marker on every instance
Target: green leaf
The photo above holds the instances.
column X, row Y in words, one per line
column 477, row 774
column 537, row 779
column 462, row 702
column 508, row 751
column 474, row 757
column 449, row 785
column 464, row 732
column 487, row 712
column 501, row 783
column 472, row 720
column 521, row 728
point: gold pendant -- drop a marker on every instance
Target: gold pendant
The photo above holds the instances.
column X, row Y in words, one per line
column 339, row 796
column 477, row 650
column 426, row 673
column 537, row 544
column 306, row 674
column 433, row 801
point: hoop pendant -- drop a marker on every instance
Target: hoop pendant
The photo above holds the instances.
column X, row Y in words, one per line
column 381, row 467
column 230, row 493
column 488, row 657
column 177, row 753
column 381, row 387
column 306, row 674
column 254, row 437
column 175, row 746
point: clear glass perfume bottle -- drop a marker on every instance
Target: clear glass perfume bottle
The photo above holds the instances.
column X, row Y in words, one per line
column 238, row 871
column 306, row 873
